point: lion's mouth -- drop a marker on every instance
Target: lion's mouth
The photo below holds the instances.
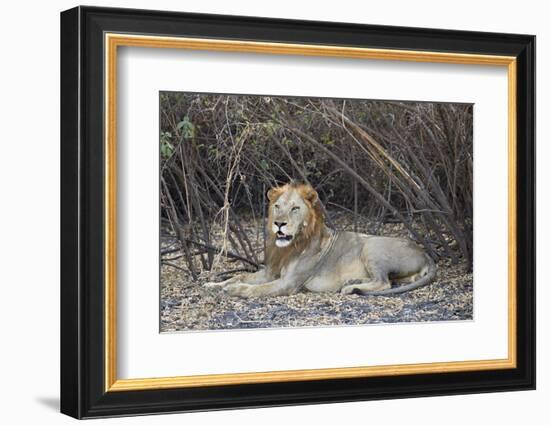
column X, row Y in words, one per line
column 282, row 240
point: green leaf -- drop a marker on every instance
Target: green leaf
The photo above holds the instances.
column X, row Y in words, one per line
column 166, row 149
column 186, row 127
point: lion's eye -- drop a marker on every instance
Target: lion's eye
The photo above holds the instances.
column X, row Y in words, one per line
column 276, row 206
column 295, row 208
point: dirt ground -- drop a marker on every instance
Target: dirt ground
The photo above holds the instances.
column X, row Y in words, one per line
column 188, row 306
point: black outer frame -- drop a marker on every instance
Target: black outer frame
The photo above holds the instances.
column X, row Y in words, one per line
column 82, row 217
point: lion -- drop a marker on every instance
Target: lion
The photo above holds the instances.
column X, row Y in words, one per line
column 304, row 254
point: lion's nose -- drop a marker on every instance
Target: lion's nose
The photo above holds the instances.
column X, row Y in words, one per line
column 279, row 224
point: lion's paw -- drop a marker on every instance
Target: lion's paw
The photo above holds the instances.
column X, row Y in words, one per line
column 214, row 285
column 348, row 290
column 243, row 290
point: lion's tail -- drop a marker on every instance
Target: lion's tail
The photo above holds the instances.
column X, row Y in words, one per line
column 427, row 278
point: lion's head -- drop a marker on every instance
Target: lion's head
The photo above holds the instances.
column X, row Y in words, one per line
column 295, row 217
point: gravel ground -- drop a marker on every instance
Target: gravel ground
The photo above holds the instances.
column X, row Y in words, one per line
column 187, row 306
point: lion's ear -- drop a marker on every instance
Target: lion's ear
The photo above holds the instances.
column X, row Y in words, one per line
column 273, row 193
column 312, row 196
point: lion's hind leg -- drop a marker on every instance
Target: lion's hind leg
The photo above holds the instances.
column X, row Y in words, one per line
column 364, row 286
column 377, row 280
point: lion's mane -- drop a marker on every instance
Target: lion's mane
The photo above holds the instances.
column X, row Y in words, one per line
column 277, row 258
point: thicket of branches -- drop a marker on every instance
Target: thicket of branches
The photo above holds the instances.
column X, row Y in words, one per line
column 377, row 160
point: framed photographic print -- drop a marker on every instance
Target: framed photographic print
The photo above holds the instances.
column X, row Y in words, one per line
column 261, row 212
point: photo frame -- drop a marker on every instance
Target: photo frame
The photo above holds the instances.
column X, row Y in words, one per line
column 91, row 40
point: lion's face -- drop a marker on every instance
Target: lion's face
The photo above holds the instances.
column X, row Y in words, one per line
column 290, row 212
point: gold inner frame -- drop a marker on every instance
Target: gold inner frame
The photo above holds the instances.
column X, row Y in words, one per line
column 113, row 41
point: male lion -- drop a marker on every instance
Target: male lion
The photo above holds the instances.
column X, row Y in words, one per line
column 302, row 253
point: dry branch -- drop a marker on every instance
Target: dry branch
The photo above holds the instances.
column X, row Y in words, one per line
column 379, row 162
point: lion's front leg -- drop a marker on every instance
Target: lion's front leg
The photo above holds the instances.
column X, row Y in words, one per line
column 223, row 283
column 246, row 290
column 257, row 277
